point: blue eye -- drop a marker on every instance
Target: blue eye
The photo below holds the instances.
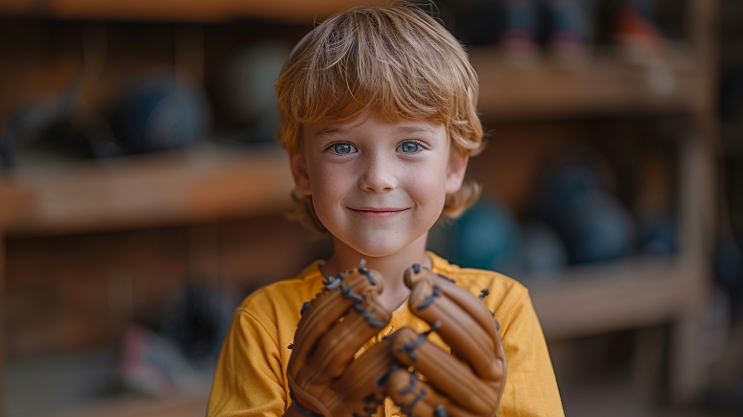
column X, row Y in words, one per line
column 342, row 148
column 410, row 146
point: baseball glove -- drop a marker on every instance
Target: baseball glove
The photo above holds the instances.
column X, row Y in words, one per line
column 324, row 378
column 468, row 382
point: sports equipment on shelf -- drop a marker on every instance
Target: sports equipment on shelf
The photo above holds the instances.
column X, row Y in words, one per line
column 245, row 90
column 542, row 254
column 161, row 113
column 594, row 224
column 485, row 237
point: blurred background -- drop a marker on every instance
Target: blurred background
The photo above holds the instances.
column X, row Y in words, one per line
column 142, row 195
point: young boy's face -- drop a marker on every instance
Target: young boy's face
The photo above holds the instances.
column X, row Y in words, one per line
column 377, row 186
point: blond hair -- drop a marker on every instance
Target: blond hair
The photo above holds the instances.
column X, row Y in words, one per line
column 394, row 60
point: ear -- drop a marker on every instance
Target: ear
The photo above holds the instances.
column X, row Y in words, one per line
column 299, row 172
column 456, row 170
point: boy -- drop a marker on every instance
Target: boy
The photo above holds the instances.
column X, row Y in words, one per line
column 378, row 114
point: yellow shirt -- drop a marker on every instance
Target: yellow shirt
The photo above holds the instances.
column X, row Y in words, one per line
column 250, row 379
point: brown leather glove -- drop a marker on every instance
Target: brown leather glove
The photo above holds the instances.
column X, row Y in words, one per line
column 324, row 378
column 468, row 382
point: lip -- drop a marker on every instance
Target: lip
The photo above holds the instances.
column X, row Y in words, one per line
column 377, row 212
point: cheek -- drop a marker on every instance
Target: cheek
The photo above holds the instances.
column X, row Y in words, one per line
column 428, row 185
column 321, row 177
column 328, row 187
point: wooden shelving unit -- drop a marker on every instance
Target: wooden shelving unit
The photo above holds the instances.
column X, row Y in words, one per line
column 209, row 185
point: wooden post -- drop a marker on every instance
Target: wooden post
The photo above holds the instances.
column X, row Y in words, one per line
column 687, row 366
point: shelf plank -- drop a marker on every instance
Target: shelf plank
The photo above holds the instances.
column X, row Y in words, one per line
column 146, row 191
column 608, row 85
column 293, row 11
column 623, row 295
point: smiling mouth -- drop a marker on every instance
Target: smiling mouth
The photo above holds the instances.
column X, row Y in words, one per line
column 373, row 212
column 377, row 210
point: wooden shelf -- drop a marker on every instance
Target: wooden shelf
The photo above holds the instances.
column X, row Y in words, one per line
column 145, row 191
column 626, row 294
column 294, row 11
column 608, row 85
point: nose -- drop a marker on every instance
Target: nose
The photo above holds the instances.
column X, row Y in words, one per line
column 377, row 174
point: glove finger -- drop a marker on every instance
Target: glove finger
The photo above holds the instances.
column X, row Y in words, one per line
column 327, row 308
column 463, row 298
column 445, row 372
column 468, row 340
column 361, row 387
column 417, row 398
column 337, row 347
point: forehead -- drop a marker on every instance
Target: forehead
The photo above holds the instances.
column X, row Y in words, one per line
column 370, row 122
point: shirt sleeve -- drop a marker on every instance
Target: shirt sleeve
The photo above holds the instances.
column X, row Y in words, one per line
column 248, row 380
column 531, row 387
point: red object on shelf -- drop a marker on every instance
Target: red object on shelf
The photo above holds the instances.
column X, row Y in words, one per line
column 638, row 37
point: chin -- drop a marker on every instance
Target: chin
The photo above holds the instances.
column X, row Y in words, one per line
column 375, row 248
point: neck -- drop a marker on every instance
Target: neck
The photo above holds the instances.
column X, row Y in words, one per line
column 390, row 266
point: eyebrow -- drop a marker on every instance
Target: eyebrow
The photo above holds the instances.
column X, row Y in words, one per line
column 328, row 131
column 416, row 129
